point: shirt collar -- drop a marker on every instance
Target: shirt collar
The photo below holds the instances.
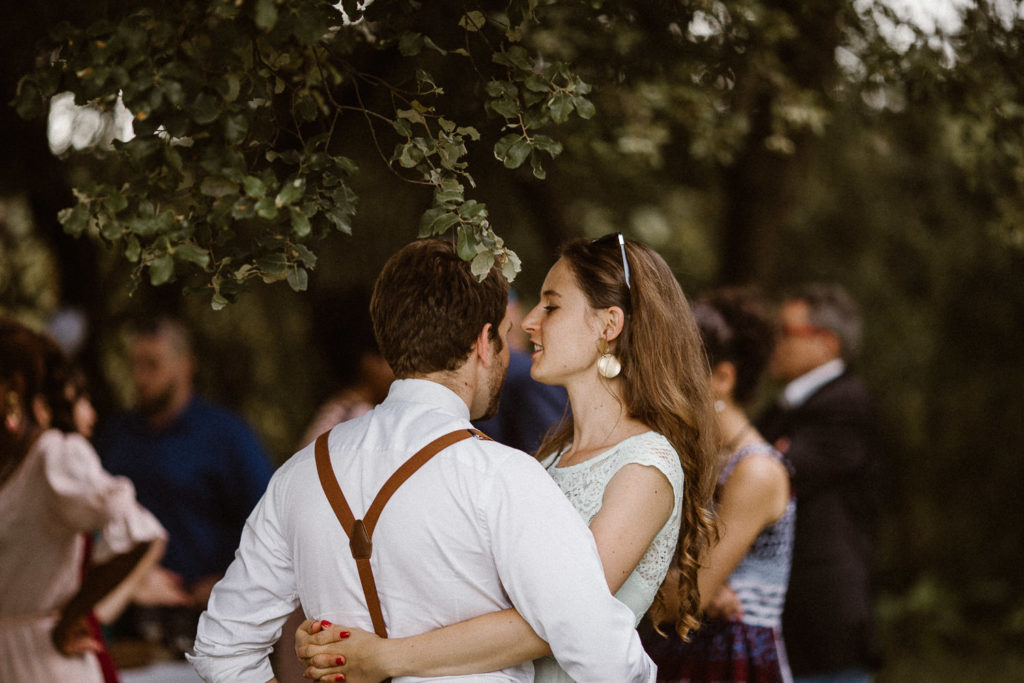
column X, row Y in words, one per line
column 432, row 393
column 800, row 389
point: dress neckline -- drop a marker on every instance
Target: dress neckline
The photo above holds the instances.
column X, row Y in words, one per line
column 556, row 464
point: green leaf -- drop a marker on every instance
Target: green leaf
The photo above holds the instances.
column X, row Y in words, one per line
column 584, row 107
column 511, row 266
column 307, row 257
column 266, row 209
column 538, row 170
column 265, row 14
column 516, row 56
column 161, row 269
column 273, row 267
column 442, row 223
column 482, row 264
column 216, row 186
column 402, row 127
column 472, row 21
column 505, row 107
column 291, row 192
column 517, row 154
column 466, row 244
column 192, row 254
column 537, row 83
column 300, row 223
column 132, row 248
column 298, row 279
column 205, row 109
column 472, row 208
column 560, row 106
column 254, row 187
column 547, row 144
column 75, row 220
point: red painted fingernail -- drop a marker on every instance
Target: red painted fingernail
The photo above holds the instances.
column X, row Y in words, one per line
column 325, row 623
column 339, row 677
column 339, row 661
column 343, row 634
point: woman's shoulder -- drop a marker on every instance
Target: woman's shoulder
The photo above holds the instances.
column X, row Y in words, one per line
column 758, row 461
column 67, row 454
column 650, row 448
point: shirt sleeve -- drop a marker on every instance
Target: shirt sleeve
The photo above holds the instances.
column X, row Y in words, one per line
column 551, row 570
column 88, row 498
column 249, row 606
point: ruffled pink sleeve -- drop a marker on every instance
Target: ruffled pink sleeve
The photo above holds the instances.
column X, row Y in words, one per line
column 88, row 498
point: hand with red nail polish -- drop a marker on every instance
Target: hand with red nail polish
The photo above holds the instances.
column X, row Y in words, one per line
column 355, row 655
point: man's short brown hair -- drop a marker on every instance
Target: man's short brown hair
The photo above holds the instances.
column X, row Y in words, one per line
column 428, row 308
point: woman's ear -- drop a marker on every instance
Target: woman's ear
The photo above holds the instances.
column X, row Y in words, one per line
column 723, row 379
column 614, row 319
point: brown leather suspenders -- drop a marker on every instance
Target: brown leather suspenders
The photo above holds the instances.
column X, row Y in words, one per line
column 360, row 531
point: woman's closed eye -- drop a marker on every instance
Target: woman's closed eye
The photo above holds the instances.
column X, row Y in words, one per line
column 550, row 309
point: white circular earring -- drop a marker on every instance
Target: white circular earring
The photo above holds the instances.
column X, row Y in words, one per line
column 608, row 366
column 719, row 405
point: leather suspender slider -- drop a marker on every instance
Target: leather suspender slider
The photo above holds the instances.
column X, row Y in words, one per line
column 360, row 531
column 359, row 542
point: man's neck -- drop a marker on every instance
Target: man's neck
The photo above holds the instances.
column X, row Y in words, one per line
column 163, row 418
column 454, row 380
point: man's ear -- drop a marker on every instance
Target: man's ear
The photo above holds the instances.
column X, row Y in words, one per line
column 614, row 319
column 482, row 347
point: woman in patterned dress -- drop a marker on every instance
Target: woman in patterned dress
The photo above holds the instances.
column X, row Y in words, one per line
column 635, row 457
column 744, row 576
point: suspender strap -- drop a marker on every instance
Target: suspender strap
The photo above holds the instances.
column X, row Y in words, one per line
column 360, row 531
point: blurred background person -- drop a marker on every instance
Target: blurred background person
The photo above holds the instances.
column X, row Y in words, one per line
column 199, row 468
column 824, row 424
column 743, row 576
column 360, row 375
column 54, row 495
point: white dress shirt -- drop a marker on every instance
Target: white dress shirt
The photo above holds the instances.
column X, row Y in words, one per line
column 800, row 389
column 479, row 528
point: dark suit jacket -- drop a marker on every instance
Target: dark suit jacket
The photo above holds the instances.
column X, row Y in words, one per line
column 830, row 441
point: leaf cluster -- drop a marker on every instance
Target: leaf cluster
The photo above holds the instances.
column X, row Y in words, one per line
column 238, row 165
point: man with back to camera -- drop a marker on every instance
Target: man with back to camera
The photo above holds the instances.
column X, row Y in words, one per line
column 824, row 425
column 480, row 527
column 197, row 466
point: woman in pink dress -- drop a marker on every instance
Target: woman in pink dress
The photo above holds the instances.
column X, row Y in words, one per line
column 53, row 491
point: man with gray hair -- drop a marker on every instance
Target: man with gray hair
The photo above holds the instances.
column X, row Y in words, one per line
column 824, row 425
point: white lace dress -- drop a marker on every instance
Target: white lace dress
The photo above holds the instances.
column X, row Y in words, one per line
column 584, row 485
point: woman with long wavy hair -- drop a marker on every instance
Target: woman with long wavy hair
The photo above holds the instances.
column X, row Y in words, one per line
column 634, row 456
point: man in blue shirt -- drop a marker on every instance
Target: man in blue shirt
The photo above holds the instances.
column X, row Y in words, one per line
column 196, row 466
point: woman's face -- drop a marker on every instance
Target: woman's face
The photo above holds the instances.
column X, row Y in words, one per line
column 84, row 416
column 563, row 329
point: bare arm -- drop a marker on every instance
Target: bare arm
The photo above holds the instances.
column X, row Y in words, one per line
column 67, row 634
column 636, row 504
column 113, row 604
column 486, row 643
column 754, row 496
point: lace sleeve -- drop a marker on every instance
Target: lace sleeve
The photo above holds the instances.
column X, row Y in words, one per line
column 654, row 450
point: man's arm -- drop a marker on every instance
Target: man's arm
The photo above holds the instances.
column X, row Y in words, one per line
column 832, row 440
column 250, row 605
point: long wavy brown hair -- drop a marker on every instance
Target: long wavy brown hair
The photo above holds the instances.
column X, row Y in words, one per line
column 664, row 385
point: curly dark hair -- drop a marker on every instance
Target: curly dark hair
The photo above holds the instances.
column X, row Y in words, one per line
column 737, row 327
